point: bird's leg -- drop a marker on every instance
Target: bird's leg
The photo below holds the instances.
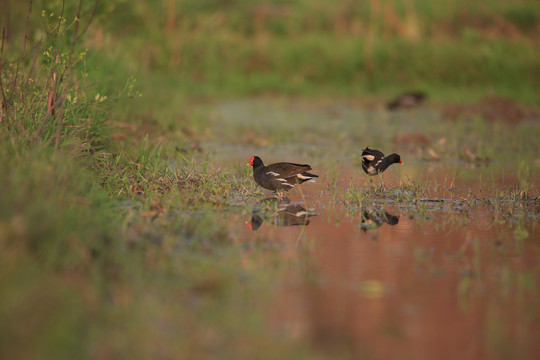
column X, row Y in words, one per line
column 301, row 193
column 371, row 181
column 382, row 181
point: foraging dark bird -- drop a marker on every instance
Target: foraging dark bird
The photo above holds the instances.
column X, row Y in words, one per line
column 374, row 162
column 407, row 100
column 280, row 176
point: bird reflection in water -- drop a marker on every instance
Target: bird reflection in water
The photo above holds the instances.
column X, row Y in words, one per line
column 279, row 212
column 374, row 218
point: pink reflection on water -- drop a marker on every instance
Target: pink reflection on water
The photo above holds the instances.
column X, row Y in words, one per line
column 466, row 289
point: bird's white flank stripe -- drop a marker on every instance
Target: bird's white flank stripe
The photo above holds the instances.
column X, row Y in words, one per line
column 272, row 173
column 368, row 157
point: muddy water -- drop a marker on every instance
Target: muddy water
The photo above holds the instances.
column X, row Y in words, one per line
column 387, row 283
column 447, row 276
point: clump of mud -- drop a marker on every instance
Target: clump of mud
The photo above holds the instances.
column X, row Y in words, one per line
column 419, row 144
column 492, row 108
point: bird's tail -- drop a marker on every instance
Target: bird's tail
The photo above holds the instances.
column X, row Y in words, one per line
column 305, row 176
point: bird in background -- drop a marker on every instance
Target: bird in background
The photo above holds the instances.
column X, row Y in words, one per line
column 407, row 100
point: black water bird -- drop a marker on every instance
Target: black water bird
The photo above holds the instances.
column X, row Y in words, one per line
column 280, row 176
column 407, row 100
column 374, row 162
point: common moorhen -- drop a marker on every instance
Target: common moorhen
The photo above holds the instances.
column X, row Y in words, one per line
column 374, row 162
column 279, row 176
column 407, row 100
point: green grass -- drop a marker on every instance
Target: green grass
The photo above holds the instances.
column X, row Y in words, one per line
column 455, row 70
column 314, row 48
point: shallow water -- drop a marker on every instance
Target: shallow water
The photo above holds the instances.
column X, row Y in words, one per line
column 452, row 272
column 453, row 284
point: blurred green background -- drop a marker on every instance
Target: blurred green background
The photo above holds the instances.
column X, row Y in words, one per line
column 456, row 50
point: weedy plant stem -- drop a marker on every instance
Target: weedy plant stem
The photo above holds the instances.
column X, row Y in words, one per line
column 3, row 100
column 69, row 67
